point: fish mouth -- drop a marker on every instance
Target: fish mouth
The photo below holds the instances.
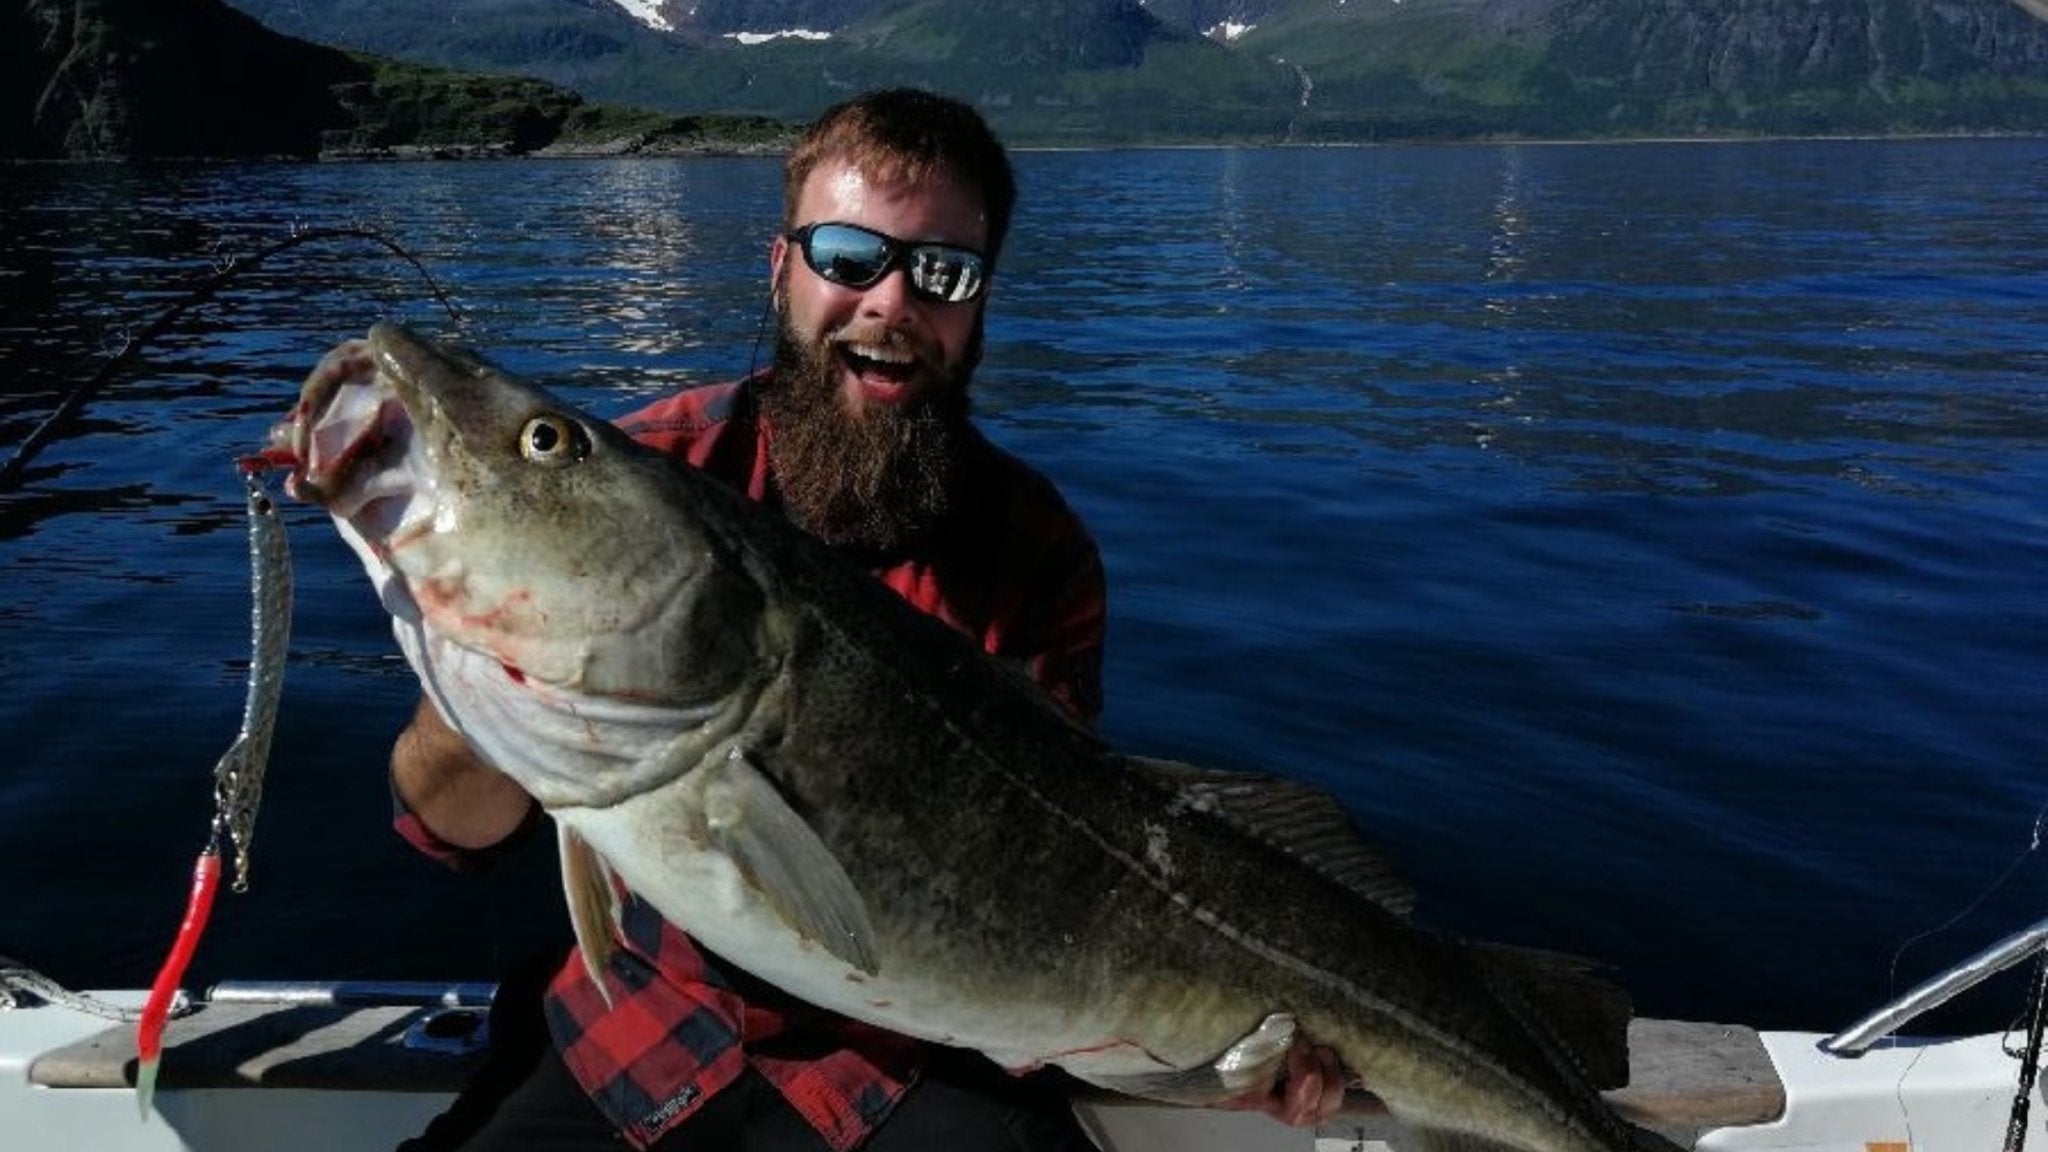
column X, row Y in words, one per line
column 352, row 447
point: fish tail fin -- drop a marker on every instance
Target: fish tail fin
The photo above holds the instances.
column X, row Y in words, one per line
column 1583, row 1012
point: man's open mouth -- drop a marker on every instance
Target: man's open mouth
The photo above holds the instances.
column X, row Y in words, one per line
column 883, row 372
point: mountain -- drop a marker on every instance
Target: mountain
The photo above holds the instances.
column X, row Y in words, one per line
column 162, row 79
column 1122, row 71
column 1684, row 67
column 82, row 77
column 1224, row 20
column 1046, row 71
column 1842, row 65
column 726, row 17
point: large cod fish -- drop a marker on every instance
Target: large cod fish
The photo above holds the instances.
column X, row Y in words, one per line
column 848, row 799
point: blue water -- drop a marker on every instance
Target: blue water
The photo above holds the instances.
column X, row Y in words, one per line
column 1648, row 543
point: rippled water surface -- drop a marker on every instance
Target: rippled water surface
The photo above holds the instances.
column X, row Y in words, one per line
column 1648, row 543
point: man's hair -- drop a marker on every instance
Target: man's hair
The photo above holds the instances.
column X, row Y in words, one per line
column 908, row 135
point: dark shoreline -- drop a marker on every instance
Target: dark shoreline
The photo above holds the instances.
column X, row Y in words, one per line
column 634, row 149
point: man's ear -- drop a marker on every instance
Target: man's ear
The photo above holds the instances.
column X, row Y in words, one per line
column 778, row 263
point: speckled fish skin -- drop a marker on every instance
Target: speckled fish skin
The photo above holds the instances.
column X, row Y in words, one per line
column 846, row 797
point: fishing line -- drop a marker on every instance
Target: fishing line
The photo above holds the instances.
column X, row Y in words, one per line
column 768, row 311
column 205, row 289
column 2005, row 877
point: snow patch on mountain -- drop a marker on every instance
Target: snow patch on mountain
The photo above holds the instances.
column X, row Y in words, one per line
column 752, row 38
column 647, row 12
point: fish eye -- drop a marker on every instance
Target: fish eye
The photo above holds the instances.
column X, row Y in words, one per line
column 551, row 439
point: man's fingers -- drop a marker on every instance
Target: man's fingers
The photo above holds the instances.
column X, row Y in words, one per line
column 1315, row 1085
column 1332, row 1074
column 1304, row 1097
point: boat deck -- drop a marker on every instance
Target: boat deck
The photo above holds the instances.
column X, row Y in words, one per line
column 1687, row 1079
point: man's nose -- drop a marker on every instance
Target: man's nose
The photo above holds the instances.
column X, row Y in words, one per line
column 889, row 299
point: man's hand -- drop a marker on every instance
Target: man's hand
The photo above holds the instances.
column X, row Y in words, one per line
column 1307, row 1092
column 454, row 793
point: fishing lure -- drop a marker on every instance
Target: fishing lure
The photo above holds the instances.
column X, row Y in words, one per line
column 238, row 776
column 156, row 1011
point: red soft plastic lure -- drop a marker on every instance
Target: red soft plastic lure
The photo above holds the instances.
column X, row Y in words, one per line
column 156, row 1011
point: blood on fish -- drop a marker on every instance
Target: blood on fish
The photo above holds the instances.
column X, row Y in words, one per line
column 513, row 673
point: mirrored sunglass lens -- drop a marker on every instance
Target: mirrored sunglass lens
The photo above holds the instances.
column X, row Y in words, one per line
column 846, row 255
column 948, row 274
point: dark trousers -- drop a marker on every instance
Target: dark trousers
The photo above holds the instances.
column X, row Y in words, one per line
column 523, row 1099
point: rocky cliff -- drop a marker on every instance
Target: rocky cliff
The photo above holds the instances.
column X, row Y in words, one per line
column 1814, row 66
column 170, row 79
column 133, row 78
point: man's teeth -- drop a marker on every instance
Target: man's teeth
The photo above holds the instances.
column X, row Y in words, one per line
column 879, row 353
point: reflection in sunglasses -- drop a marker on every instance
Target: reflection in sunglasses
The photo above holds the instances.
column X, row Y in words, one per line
column 857, row 257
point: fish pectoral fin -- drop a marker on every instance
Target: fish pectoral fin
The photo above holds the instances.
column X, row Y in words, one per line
column 1252, row 1064
column 779, row 856
column 1197, row 1087
column 593, row 905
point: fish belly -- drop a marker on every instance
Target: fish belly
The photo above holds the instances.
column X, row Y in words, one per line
column 918, row 988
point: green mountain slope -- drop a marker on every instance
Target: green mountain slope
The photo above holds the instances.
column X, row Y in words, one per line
column 97, row 78
column 1605, row 67
column 1821, row 66
column 164, row 79
column 1045, row 71
column 1120, row 71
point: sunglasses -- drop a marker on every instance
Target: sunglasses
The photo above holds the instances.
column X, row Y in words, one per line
column 855, row 257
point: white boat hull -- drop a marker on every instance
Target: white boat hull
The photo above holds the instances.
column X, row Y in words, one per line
column 337, row 1078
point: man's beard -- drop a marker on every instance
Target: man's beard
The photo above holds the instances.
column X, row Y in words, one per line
column 875, row 480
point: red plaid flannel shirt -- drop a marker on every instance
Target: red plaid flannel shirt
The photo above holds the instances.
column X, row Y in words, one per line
column 1024, row 579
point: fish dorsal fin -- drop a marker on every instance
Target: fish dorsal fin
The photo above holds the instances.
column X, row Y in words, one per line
column 593, row 905
column 1304, row 822
column 779, row 856
column 1567, row 998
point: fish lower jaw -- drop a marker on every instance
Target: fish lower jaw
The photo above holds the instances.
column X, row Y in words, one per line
column 386, row 520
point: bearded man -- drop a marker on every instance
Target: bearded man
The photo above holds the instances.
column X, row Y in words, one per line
column 896, row 206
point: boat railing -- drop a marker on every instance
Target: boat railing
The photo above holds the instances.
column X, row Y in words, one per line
column 354, row 993
column 1933, row 993
column 456, row 1023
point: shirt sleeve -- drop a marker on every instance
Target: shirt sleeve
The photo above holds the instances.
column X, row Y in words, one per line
column 454, row 857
